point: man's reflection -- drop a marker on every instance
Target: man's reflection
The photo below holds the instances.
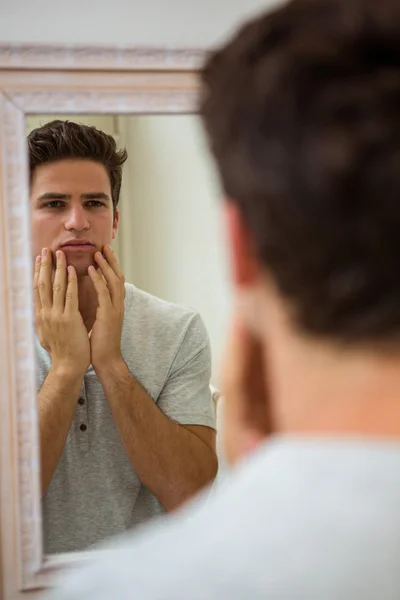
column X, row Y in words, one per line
column 126, row 419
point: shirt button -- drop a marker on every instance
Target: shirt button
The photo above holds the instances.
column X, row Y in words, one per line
column 81, row 401
column 83, row 427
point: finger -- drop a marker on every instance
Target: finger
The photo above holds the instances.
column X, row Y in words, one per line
column 44, row 283
column 60, row 282
column 36, row 295
column 246, row 377
column 103, row 294
column 236, row 357
column 242, row 372
column 112, row 261
column 99, row 271
column 114, row 281
column 71, row 295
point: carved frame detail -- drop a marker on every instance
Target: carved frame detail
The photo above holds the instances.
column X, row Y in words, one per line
column 115, row 58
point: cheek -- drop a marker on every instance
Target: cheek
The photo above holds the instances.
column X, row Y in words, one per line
column 104, row 223
column 101, row 230
column 42, row 230
column 46, row 231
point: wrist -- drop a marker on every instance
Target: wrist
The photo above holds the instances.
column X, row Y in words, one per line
column 67, row 372
column 113, row 368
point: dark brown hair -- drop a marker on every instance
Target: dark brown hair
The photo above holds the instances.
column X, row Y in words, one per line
column 60, row 140
column 302, row 110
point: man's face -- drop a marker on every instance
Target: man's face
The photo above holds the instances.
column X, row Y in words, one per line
column 72, row 210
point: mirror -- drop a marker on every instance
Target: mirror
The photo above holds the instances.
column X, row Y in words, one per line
column 110, row 460
column 169, row 218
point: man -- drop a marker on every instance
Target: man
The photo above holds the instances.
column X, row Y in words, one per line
column 126, row 421
column 302, row 109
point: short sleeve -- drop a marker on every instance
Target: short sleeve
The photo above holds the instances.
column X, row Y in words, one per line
column 186, row 395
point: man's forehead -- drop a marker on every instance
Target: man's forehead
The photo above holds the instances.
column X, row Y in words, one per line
column 71, row 176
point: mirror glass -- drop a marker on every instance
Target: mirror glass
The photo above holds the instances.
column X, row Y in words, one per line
column 126, row 355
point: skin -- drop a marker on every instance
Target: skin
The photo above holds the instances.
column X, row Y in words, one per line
column 78, row 291
column 276, row 379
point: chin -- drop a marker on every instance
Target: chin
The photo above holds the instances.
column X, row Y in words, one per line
column 81, row 267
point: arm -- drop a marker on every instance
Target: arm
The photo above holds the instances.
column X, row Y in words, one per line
column 57, row 403
column 62, row 333
column 172, row 460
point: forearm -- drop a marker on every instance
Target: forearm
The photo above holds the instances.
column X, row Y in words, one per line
column 57, row 403
column 171, row 462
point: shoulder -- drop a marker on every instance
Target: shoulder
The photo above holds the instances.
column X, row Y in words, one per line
column 263, row 534
column 189, row 550
column 164, row 317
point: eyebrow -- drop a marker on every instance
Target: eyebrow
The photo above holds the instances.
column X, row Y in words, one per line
column 91, row 196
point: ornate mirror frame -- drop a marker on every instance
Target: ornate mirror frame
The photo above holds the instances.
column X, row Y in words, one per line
column 59, row 80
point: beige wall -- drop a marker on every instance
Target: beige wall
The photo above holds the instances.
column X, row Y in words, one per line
column 197, row 23
column 171, row 219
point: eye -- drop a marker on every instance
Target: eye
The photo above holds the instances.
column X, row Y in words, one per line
column 54, row 204
column 95, row 203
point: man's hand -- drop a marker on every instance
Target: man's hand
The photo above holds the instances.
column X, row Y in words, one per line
column 59, row 324
column 246, row 403
column 105, row 339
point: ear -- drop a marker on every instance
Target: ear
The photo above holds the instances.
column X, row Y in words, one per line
column 115, row 224
column 244, row 264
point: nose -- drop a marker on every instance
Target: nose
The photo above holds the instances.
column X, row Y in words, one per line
column 76, row 219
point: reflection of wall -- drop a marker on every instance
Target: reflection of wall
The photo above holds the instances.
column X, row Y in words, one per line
column 171, row 218
column 152, row 23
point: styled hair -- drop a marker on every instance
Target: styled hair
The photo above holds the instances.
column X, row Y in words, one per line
column 302, row 112
column 60, row 140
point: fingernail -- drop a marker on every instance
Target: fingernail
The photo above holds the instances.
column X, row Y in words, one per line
column 38, row 259
column 58, row 254
column 44, row 251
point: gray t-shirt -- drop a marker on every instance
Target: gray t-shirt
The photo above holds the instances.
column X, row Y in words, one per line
column 95, row 491
column 300, row 520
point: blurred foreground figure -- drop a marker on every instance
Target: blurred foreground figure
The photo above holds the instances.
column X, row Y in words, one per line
column 302, row 109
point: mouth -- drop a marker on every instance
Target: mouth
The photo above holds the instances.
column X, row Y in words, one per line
column 78, row 245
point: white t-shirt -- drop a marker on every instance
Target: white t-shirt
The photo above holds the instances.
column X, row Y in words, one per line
column 301, row 519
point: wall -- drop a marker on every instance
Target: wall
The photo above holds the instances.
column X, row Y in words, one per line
column 171, row 219
column 196, row 23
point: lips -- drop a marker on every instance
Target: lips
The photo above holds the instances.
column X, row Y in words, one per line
column 77, row 244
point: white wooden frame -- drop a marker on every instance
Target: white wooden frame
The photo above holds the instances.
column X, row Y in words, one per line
column 52, row 79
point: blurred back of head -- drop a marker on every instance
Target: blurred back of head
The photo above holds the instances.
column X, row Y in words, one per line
column 302, row 110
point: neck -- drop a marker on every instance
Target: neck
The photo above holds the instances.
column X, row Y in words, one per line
column 321, row 389
column 325, row 391
column 87, row 301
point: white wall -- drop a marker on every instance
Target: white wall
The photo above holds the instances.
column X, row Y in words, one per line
column 195, row 23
